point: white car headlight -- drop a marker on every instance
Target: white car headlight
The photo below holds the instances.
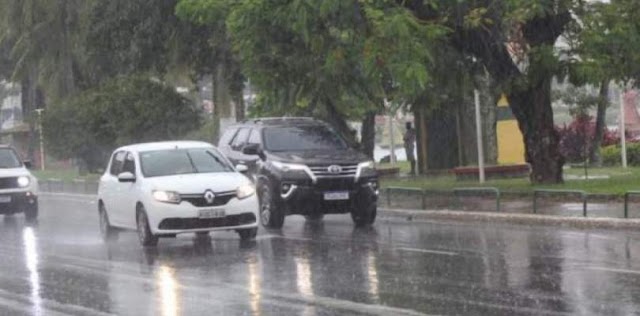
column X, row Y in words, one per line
column 245, row 191
column 167, row 196
column 24, row 181
column 288, row 166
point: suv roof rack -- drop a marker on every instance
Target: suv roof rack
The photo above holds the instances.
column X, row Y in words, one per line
column 279, row 119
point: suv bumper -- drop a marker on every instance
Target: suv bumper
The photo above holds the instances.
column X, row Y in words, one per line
column 307, row 198
column 16, row 202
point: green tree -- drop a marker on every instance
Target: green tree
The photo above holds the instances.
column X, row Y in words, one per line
column 119, row 112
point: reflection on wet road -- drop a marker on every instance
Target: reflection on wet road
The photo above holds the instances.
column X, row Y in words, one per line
column 61, row 267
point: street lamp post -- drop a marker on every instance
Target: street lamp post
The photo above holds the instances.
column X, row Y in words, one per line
column 39, row 111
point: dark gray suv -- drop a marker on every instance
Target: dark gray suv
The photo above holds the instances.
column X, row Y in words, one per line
column 302, row 166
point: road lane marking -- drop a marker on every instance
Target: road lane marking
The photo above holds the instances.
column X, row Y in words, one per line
column 437, row 252
column 614, row 270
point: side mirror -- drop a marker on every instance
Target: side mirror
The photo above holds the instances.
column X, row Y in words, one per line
column 251, row 150
column 242, row 168
column 126, row 177
column 28, row 164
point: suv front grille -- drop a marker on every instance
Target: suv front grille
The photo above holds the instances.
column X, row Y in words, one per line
column 335, row 184
column 9, row 183
column 198, row 200
column 330, row 171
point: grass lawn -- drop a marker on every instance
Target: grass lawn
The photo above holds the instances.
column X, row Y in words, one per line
column 619, row 181
column 66, row 175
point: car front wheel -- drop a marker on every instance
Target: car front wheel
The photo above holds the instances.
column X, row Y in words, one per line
column 31, row 212
column 248, row 234
column 145, row 236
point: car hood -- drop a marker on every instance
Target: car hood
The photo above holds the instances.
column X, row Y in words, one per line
column 14, row 172
column 198, row 183
column 347, row 156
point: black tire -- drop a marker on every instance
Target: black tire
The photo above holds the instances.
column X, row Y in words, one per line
column 107, row 232
column 248, row 234
column 314, row 217
column 270, row 215
column 31, row 212
column 145, row 236
column 365, row 215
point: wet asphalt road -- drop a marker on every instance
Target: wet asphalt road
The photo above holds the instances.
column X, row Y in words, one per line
column 61, row 267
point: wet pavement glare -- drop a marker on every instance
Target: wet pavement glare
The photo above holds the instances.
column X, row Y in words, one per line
column 60, row 266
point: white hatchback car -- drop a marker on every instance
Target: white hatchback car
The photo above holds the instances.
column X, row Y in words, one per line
column 168, row 188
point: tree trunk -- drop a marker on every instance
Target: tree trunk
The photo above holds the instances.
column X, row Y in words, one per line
column 603, row 103
column 239, row 106
column 29, row 104
column 336, row 119
column 442, row 152
column 421, row 138
column 532, row 108
column 368, row 133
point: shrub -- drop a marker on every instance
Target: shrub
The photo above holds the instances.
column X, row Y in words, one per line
column 581, row 130
column 122, row 111
column 611, row 155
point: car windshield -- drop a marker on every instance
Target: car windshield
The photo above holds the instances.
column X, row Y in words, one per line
column 160, row 163
column 9, row 158
column 302, row 138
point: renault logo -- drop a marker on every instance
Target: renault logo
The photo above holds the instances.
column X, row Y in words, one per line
column 334, row 169
column 209, row 196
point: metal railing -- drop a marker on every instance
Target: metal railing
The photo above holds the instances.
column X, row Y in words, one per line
column 583, row 196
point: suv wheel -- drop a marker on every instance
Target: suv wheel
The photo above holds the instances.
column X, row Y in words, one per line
column 108, row 232
column 270, row 215
column 314, row 217
column 365, row 214
column 147, row 239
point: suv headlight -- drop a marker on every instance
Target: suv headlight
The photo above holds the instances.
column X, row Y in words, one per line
column 245, row 191
column 366, row 165
column 167, row 196
column 288, row 166
column 24, row 181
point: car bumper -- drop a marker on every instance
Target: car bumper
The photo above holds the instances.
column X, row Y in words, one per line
column 17, row 202
column 306, row 198
column 181, row 218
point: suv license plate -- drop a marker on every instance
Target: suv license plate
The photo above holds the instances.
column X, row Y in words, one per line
column 211, row 213
column 5, row 198
column 336, row 196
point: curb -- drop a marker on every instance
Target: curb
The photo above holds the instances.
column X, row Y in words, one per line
column 518, row 219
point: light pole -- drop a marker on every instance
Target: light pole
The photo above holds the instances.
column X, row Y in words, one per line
column 39, row 111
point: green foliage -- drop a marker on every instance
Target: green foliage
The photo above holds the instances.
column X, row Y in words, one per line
column 611, row 155
column 122, row 111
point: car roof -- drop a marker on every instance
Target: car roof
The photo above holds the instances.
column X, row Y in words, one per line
column 165, row 145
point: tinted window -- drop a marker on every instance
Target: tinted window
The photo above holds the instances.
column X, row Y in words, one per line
column 240, row 138
column 181, row 161
column 9, row 158
column 227, row 136
column 129, row 164
column 301, row 138
column 254, row 137
column 117, row 162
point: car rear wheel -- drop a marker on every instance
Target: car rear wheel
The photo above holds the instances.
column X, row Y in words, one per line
column 107, row 232
column 365, row 215
column 248, row 234
column 145, row 236
column 270, row 215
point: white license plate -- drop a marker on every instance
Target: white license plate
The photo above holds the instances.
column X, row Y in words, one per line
column 211, row 213
column 5, row 199
column 336, row 196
